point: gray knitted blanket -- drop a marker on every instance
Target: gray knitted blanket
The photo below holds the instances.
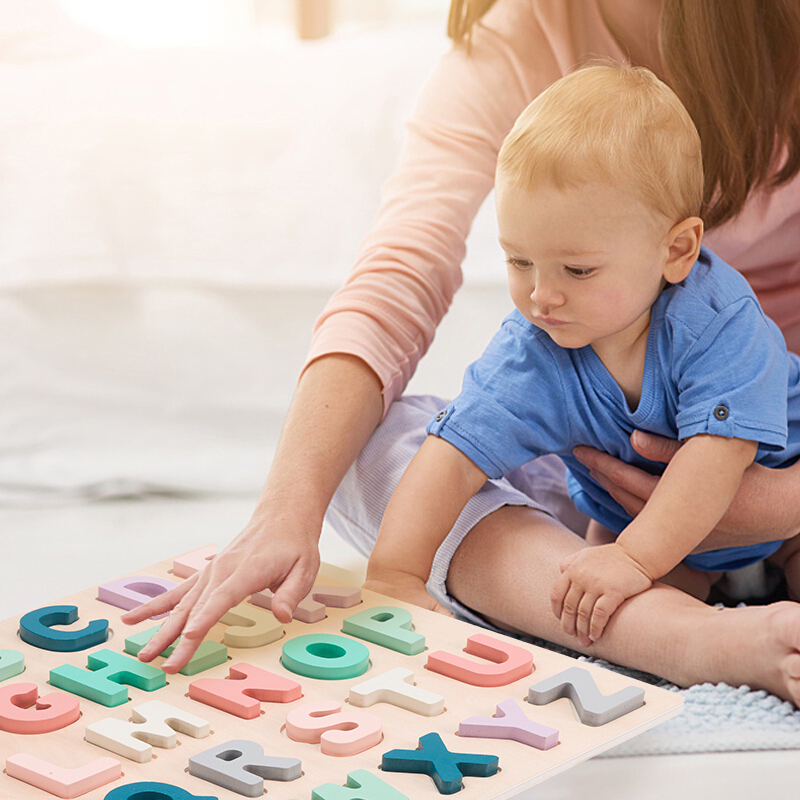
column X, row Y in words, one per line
column 715, row 718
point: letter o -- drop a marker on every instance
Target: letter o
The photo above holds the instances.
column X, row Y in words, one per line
column 325, row 656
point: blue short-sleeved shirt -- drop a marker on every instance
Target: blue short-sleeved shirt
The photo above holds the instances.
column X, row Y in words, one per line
column 714, row 364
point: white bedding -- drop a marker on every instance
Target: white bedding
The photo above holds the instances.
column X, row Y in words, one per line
column 258, row 165
column 173, row 220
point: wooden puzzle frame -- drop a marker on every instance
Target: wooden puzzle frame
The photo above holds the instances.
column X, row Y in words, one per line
column 524, row 760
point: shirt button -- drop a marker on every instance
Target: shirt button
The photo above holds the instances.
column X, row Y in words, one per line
column 721, row 412
column 440, row 416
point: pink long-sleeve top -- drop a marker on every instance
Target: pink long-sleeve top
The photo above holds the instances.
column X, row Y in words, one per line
column 409, row 266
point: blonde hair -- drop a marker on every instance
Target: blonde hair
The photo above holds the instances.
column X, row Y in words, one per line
column 611, row 124
column 735, row 64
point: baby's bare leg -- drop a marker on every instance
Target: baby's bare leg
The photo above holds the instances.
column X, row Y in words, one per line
column 514, row 553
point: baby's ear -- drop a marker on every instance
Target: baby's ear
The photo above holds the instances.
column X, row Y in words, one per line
column 683, row 244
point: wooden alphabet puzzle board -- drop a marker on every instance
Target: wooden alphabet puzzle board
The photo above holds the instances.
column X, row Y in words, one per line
column 368, row 699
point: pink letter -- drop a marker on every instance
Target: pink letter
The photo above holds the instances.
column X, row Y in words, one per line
column 60, row 781
column 510, row 662
column 241, row 694
column 52, row 712
column 338, row 733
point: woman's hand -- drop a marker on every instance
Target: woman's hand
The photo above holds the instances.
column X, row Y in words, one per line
column 766, row 508
column 275, row 553
column 335, row 409
column 630, row 486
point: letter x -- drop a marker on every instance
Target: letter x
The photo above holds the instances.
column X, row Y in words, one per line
column 434, row 759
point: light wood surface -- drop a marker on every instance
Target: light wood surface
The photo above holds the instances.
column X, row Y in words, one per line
column 521, row 766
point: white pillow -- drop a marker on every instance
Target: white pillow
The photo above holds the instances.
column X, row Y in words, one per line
column 111, row 390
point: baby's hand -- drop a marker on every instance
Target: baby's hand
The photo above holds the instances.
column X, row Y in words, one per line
column 405, row 587
column 593, row 583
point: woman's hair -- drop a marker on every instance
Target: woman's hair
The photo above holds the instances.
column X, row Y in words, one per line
column 735, row 64
column 736, row 67
column 617, row 125
column 463, row 15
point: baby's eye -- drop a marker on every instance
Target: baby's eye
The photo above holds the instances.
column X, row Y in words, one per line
column 518, row 263
column 580, row 272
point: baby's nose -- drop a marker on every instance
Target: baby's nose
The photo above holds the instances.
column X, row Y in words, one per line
column 545, row 295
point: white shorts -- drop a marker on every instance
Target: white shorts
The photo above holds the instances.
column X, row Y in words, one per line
column 357, row 508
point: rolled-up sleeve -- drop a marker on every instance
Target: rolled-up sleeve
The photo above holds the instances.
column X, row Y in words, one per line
column 733, row 380
column 512, row 406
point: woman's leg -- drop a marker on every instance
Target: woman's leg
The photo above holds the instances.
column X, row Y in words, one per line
column 503, row 571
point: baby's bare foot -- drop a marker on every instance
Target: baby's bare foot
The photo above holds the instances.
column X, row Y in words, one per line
column 768, row 639
column 786, row 628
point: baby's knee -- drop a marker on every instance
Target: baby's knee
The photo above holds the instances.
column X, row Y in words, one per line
column 695, row 582
column 597, row 534
column 787, row 553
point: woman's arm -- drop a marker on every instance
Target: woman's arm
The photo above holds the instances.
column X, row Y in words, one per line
column 405, row 277
column 423, row 508
column 335, row 409
column 409, row 266
column 766, row 507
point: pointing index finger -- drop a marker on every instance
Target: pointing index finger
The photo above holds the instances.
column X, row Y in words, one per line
column 159, row 605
